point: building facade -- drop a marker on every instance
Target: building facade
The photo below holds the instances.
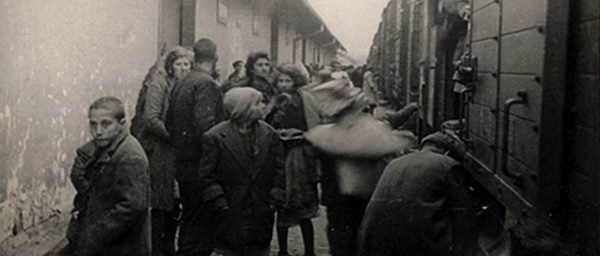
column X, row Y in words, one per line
column 59, row 56
column 289, row 30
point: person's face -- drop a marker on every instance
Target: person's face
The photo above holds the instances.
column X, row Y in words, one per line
column 104, row 127
column 239, row 67
column 215, row 61
column 262, row 67
column 181, row 67
column 285, row 83
column 258, row 109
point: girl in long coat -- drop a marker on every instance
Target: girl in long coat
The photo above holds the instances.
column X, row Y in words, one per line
column 149, row 127
column 302, row 201
column 241, row 173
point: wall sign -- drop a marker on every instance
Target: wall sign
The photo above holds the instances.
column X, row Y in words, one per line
column 222, row 11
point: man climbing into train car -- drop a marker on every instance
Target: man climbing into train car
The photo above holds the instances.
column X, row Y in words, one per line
column 421, row 205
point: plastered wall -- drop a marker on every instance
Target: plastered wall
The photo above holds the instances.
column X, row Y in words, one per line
column 235, row 38
column 56, row 57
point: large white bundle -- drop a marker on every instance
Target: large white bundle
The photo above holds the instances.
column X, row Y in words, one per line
column 363, row 137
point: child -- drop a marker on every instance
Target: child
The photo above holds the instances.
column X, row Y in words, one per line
column 300, row 168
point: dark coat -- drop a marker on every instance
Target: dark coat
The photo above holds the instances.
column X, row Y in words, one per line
column 114, row 218
column 248, row 176
column 155, row 138
column 292, row 114
column 196, row 106
column 421, row 206
column 262, row 84
column 301, row 176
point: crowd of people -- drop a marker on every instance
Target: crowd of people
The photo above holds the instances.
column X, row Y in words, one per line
column 213, row 167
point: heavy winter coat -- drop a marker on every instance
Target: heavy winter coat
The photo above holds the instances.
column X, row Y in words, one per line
column 114, row 218
column 301, row 176
column 247, row 172
column 157, row 142
column 421, row 206
column 196, row 106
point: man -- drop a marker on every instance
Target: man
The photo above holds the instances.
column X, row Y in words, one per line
column 110, row 174
column 197, row 105
column 238, row 74
column 369, row 88
column 422, row 205
column 350, row 167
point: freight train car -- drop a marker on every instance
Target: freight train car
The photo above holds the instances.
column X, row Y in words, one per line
column 520, row 80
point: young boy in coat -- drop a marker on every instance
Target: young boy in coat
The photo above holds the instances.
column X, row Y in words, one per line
column 110, row 174
column 421, row 206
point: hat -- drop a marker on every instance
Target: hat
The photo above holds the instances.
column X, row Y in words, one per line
column 335, row 96
column 443, row 140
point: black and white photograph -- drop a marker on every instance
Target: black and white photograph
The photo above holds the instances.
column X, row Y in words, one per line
column 299, row 127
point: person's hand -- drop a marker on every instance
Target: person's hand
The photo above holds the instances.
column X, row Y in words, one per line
column 221, row 204
column 278, row 117
column 464, row 11
column 414, row 105
column 381, row 114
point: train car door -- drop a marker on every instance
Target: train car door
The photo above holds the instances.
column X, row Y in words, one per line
column 515, row 116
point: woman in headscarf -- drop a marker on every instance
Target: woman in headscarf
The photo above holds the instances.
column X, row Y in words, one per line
column 302, row 201
column 241, row 175
column 352, row 146
column 148, row 126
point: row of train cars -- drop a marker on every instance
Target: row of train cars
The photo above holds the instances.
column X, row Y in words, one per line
column 516, row 82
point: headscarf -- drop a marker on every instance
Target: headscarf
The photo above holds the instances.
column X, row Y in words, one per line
column 238, row 103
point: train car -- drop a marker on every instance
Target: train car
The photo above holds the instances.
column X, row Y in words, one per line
column 517, row 83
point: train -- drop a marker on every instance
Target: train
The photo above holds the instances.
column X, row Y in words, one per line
column 516, row 83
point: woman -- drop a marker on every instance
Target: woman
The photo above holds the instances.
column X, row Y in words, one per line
column 258, row 74
column 149, row 127
column 302, row 201
column 241, row 175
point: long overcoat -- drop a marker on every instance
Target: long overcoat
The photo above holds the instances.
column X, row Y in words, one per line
column 156, row 140
column 421, row 206
column 249, row 176
column 196, row 106
column 114, row 218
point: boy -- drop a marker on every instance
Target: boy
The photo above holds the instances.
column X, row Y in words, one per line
column 110, row 174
